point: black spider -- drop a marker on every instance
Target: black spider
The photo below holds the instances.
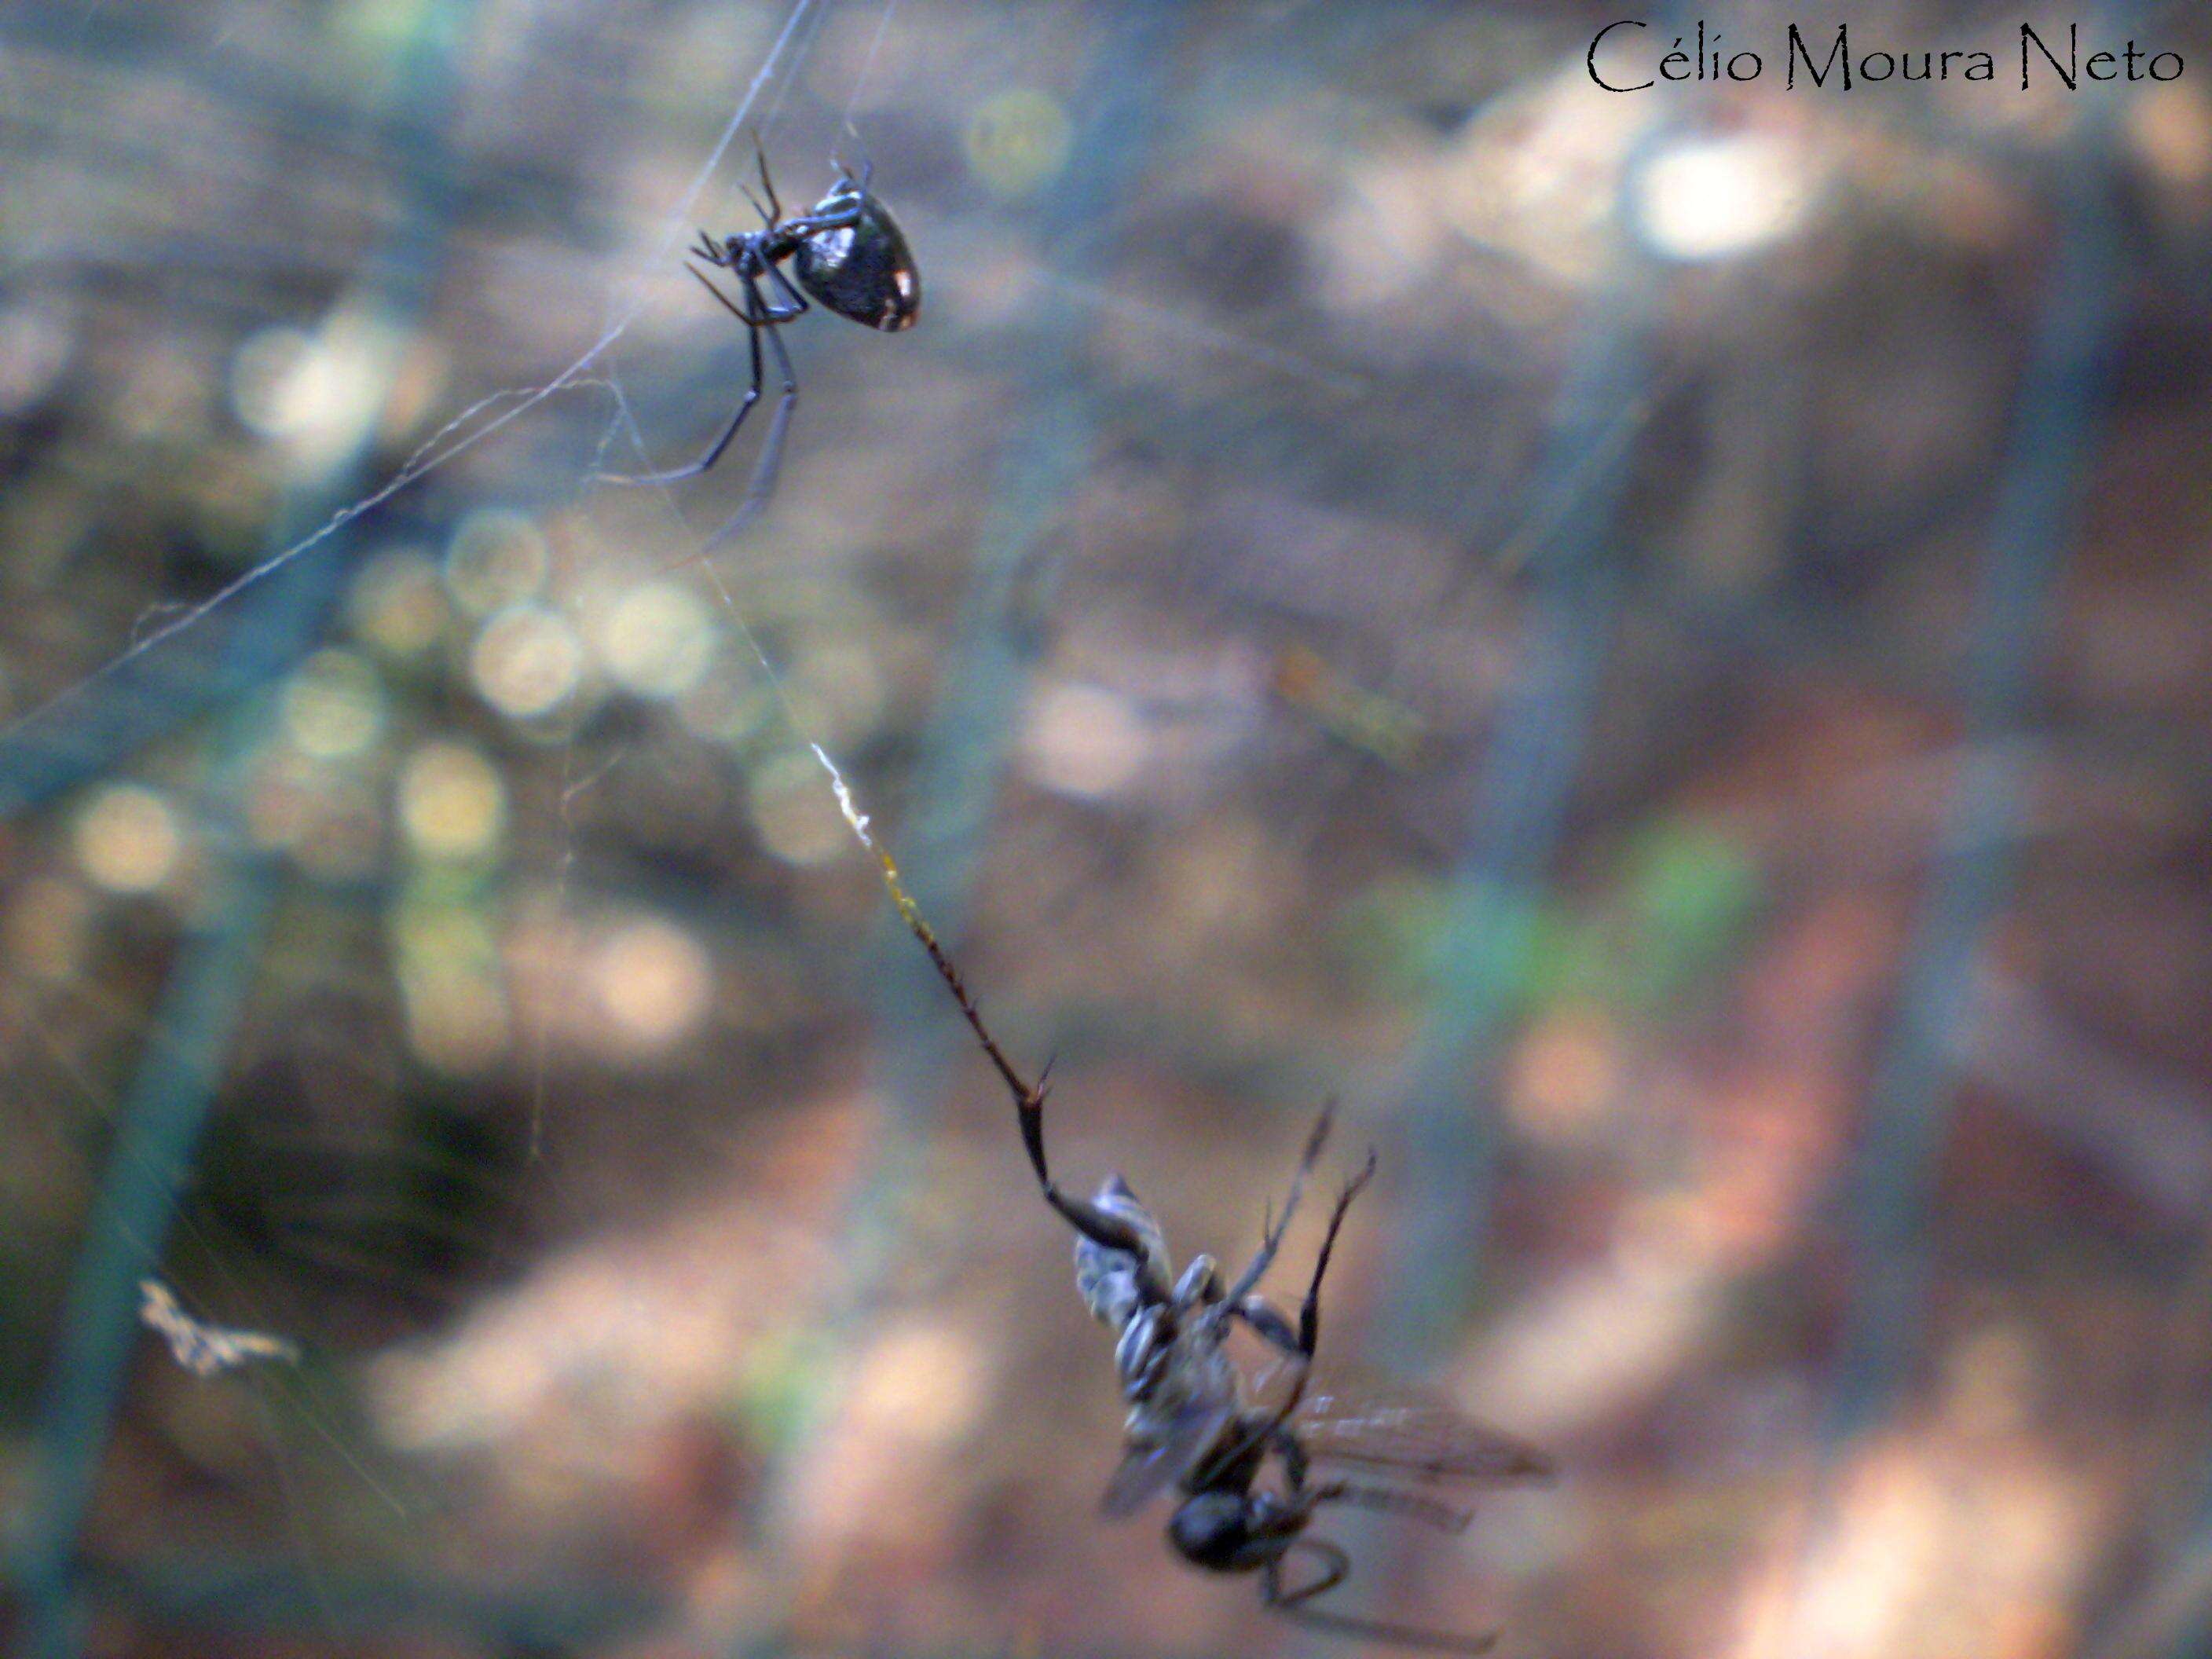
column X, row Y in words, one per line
column 847, row 252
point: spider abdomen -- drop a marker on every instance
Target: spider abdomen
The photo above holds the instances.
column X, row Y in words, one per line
column 865, row 269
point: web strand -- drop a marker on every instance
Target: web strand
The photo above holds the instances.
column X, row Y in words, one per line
column 430, row 456
column 867, row 69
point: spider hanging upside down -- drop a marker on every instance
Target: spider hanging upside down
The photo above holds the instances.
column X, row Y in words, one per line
column 847, row 252
column 1192, row 1423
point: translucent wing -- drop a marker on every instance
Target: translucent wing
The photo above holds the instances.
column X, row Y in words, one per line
column 1389, row 1425
column 1148, row 1469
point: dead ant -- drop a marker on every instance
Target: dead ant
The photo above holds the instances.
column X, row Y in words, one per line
column 1192, row 1422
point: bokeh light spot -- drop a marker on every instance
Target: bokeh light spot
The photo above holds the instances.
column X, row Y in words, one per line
column 449, row 962
column 496, row 558
column 398, row 604
column 794, row 812
column 2170, row 129
column 655, row 640
column 451, row 801
column 315, row 393
column 1018, row 141
column 1709, row 199
column 263, row 372
column 334, row 706
column 456, row 1017
column 652, row 979
column 127, row 840
column 526, row 661
column 1083, row 740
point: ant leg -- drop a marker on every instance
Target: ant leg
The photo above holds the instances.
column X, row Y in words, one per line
column 1263, row 1316
column 1309, row 1310
column 714, row 451
column 1271, row 1239
column 1336, row 1568
column 1270, row 1324
column 1390, row 1501
column 1108, row 1231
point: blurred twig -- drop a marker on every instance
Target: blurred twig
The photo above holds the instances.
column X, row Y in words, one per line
column 1891, row 1189
column 184, row 1054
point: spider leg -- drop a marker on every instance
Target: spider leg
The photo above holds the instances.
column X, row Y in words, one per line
column 761, row 317
column 675, row 475
column 836, row 219
column 794, row 302
column 768, row 186
column 731, row 306
column 760, row 312
column 1336, row 1567
column 771, row 460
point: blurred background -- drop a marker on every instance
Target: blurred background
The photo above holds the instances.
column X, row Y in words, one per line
column 1653, row 645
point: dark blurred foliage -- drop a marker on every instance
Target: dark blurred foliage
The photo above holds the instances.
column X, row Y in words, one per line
column 1654, row 645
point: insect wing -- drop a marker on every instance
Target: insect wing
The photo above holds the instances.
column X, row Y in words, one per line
column 1415, row 1434
column 1147, row 1470
column 205, row 1350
